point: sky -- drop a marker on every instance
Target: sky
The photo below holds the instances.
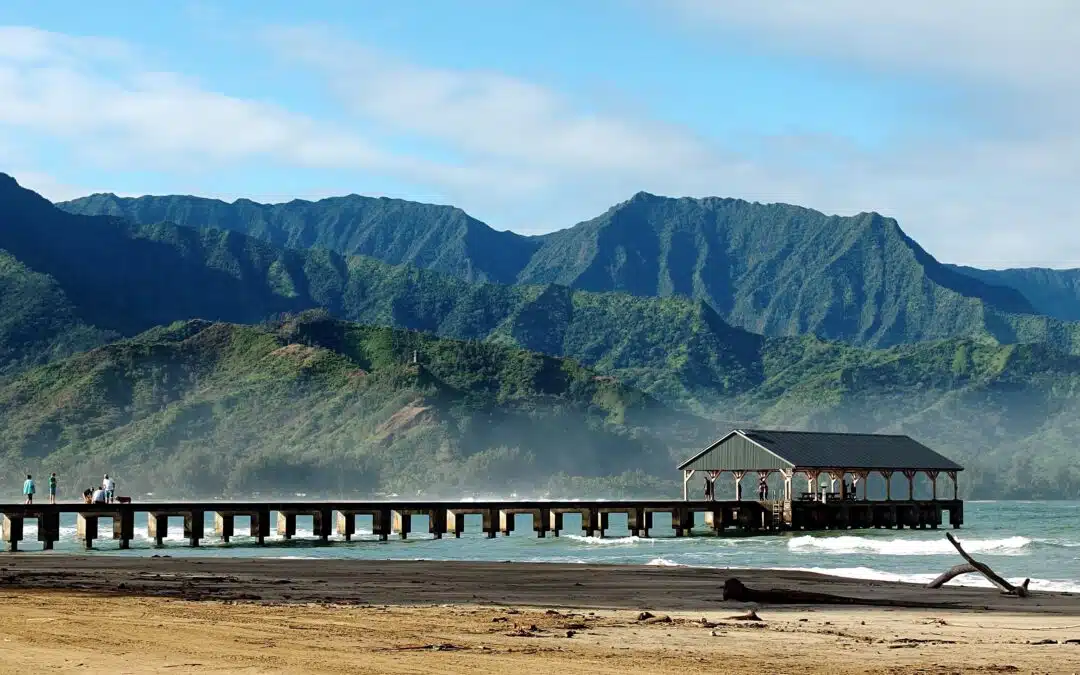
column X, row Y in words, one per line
column 959, row 119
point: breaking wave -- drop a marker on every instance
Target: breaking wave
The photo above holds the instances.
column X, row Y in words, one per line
column 870, row 545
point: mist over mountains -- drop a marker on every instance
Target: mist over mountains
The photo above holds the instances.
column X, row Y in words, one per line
column 661, row 322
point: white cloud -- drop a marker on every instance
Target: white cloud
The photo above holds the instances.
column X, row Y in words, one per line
column 524, row 156
column 1032, row 43
column 70, row 88
column 488, row 116
column 87, row 93
column 532, row 144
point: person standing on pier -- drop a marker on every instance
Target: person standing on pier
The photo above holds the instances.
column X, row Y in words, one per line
column 52, row 488
column 28, row 489
column 109, row 486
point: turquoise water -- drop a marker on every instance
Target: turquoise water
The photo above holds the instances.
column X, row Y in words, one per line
column 1040, row 540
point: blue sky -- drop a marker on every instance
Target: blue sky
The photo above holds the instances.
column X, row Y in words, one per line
column 961, row 122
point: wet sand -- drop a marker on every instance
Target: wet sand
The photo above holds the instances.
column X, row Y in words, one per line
column 158, row 615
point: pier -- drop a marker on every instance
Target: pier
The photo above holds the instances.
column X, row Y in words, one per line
column 825, row 459
column 444, row 518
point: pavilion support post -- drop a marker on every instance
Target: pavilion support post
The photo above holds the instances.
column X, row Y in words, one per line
column 738, row 484
column 887, row 475
column 933, row 484
column 864, row 477
column 955, row 485
column 838, row 475
column 787, row 475
column 687, row 475
column 812, row 478
column 910, row 475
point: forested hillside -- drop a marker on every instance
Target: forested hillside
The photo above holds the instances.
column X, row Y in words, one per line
column 773, row 269
column 311, row 404
column 441, row 238
column 1051, row 292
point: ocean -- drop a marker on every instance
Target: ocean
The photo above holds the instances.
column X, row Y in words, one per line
column 1036, row 540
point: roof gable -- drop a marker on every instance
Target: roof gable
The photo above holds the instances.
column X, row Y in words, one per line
column 754, row 449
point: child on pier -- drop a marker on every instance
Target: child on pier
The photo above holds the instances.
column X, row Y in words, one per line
column 28, row 489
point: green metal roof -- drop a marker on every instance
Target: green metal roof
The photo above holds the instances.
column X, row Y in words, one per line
column 760, row 449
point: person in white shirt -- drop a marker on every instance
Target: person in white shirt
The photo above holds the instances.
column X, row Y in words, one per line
column 99, row 497
column 109, row 486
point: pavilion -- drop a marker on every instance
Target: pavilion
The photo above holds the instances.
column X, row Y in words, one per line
column 815, row 454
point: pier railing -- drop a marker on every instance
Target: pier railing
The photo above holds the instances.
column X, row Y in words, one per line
column 448, row 517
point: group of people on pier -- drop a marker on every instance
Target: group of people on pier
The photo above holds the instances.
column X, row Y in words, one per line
column 710, row 488
column 106, row 494
column 29, row 489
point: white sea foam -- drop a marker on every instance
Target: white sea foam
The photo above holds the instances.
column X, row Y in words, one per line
column 872, row 545
column 1063, row 543
column 664, row 562
column 607, row 541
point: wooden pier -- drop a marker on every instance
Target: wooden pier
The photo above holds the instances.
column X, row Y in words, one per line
column 448, row 518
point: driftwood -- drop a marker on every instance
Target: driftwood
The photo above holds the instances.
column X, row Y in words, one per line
column 951, row 573
column 974, row 565
column 739, row 592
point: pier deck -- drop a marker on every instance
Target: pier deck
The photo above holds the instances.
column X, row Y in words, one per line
column 448, row 517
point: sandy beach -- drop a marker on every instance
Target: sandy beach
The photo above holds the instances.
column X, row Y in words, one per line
column 168, row 615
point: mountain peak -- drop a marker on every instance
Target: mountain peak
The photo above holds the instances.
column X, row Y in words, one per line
column 18, row 197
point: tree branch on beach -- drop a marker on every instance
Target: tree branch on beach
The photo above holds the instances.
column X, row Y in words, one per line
column 973, row 565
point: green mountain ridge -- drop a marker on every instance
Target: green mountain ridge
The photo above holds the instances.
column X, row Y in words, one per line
column 1053, row 292
column 676, row 347
column 773, row 269
column 441, row 238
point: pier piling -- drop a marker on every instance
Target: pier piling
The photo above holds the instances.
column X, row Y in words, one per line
column 346, row 524
column 555, row 524
column 157, row 527
column 124, row 527
column 322, row 522
column 49, row 529
column 194, row 524
column 402, row 523
column 13, row 531
column 86, row 528
column 224, row 525
column 286, row 524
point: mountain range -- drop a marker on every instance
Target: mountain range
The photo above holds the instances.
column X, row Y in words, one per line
column 772, row 269
column 701, row 313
